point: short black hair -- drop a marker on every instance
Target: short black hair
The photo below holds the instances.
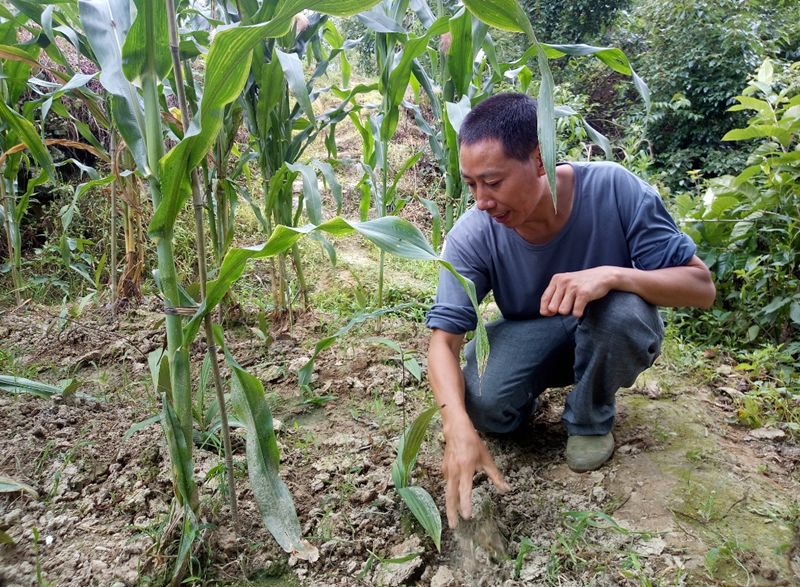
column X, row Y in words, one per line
column 509, row 118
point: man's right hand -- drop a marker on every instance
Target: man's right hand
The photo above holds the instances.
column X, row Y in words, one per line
column 464, row 455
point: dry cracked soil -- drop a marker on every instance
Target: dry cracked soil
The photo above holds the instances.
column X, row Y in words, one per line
column 689, row 497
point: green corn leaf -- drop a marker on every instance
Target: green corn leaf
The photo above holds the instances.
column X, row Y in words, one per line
column 106, row 23
column 227, row 70
column 459, row 56
column 425, row 511
column 180, row 455
column 611, row 56
column 159, row 372
column 188, row 535
column 457, row 111
column 26, row 134
column 9, row 485
column 401, row 73
column 139, row 426
column 546, row 121
column 18, row 385
column 311, row 195
column 436, row 222
column 408, row 448
column 408, row 164
column 507, row 15
column 272, row 496
column 68, row 211
column 326, row 169
column 378, row 20
column 137, row 43
column 293, row 71
column 391, row 234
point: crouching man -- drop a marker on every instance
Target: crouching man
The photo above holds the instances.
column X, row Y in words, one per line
column 577, row 286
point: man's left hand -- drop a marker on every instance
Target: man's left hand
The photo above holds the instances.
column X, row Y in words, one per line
column 568, row 293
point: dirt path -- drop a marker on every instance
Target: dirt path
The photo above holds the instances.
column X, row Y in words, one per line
column 688, row 498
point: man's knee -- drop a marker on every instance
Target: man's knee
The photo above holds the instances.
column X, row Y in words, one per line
column 490, row 414
column 624, row 315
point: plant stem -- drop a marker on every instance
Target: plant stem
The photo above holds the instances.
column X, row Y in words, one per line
column 8, row 204
column 177, row 354
column 113, row 262
column 197, row 200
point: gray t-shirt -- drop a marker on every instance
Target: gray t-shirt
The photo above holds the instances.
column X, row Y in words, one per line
column 616, row 219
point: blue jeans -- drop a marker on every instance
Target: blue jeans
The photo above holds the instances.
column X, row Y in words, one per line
column 618, row 337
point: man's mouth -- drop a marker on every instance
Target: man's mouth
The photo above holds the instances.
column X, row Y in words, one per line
column 501, row 218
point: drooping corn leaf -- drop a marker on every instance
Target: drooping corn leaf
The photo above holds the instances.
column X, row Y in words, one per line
column 391, row 234
column 19, row 385
column 180, row 455
column 9, row 485
column 611, row 56
column 272, row 496
column 425, row 511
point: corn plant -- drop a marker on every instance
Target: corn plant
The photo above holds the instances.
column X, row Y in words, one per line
column 418, row 500
column 281, row 129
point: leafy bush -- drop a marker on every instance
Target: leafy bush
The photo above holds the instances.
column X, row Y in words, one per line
column 694, row 55
column 579, row 21
column 748, row 226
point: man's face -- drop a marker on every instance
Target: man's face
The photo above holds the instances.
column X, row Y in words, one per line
column 507, row 189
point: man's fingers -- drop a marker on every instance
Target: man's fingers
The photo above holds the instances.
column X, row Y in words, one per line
column 567, row 303
column 451, row 502
column 465, row 496
column 495, row 476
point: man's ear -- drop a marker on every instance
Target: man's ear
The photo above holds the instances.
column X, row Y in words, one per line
column 536, row 157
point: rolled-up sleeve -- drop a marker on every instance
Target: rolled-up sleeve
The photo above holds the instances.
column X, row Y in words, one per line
column 453, row 311
column 654, row 240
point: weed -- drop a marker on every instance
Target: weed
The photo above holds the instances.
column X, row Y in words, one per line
column 730, row 551
column 40, row 580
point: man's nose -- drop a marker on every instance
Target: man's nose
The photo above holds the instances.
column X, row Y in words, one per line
column 482, row 200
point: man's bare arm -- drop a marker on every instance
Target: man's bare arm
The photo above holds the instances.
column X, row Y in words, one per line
column 465, row 453
column 686, row 285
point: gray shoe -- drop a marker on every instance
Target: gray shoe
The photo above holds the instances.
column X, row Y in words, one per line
column 587, row 453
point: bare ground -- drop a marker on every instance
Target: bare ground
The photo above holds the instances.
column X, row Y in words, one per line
column 688, row 499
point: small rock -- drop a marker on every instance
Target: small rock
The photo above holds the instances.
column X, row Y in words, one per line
column 767, row 434
column 12, row 517
column 599, row 494
column 731, row 392
column 399, row 398
column 628, row 449
column 273, row 373
column 393, row 575
column 596, row 477
column 653, row 547
column 443, row 577
column 98, row 567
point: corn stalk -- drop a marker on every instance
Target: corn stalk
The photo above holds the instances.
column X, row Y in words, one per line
column 197, row 200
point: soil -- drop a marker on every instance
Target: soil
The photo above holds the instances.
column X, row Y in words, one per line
column 689, row 497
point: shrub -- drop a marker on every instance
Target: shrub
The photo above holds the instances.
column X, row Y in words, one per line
column 748, row 226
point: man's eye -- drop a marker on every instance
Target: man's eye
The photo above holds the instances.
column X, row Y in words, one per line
column 493, row 184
